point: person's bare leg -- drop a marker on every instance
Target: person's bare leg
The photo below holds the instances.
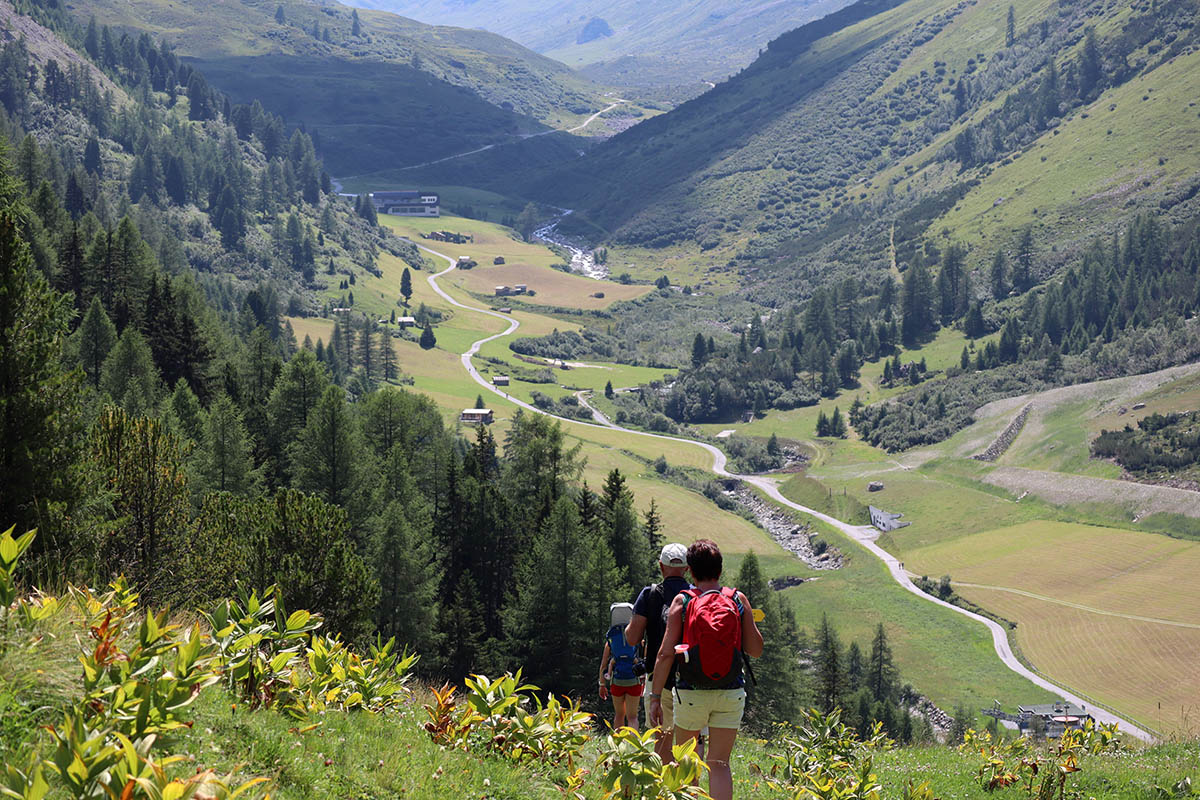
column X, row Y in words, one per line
column 631, row 712
column 618, row 712
column 663, row 745
column 720, row 746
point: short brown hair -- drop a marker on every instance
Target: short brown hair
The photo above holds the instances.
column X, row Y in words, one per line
column 704, row 559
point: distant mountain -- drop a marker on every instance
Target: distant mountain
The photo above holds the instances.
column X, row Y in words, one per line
column 632, row 42
column 384, row 90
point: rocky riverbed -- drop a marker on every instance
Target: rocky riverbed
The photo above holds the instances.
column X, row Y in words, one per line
column 583, row 260
column 792, row 535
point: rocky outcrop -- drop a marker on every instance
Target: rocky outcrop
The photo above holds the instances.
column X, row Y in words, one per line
column 1006, row 437
column 795, row 537
column 784, row 582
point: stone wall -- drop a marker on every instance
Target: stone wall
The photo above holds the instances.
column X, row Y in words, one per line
column 1006, row 438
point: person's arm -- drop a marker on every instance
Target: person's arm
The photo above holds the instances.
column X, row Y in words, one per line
column 636, row 629
column 752, row 640
column 666, row 653
column 603, row 678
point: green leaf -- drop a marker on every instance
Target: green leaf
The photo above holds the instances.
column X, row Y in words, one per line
column 298, row 620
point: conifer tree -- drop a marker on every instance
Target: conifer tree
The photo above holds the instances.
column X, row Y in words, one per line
column 187, row 411
column 854, row 667
column 299, row 387
column 630, row 548
column 998, row 276
column 652, row 526
column 408, row 576
column 38, row 399
column 387, row 357
column 561, row 609
column 95, row 339
column 778, row 695
column 355, row 25
column 406, row 288
column 461, row 630
column 881, row 671
column 326, row 457
column 129, row 376
column 699, row 350
column 428, row 340
column 1010, row 28
column 223, row 459
column 917, row 304
column 830, row 676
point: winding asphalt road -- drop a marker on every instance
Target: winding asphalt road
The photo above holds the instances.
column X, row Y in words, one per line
column 864, row 535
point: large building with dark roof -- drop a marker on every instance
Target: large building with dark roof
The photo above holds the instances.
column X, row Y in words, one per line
column 407, row 204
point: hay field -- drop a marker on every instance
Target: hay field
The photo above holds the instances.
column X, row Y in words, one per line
column 553, row 287
column 1112, row 613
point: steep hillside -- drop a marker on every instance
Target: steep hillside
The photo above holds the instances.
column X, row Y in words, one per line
column 925, row 114
column 378, row 88
column 626, row 41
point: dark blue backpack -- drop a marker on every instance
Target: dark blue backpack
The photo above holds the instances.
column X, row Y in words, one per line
column 623, row 654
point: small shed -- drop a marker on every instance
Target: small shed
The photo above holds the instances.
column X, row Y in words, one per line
column 506, row 310
column 477, row 416
column 406, row 322
column 520, row 288
column 498, row 260
column 500, row 380
column 503, row 291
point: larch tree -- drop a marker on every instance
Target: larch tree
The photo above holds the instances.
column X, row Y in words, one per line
column 223, row 459
column 94, row 340
column 326, row 455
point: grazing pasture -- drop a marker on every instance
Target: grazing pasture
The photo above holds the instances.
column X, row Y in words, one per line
column 1112, row 613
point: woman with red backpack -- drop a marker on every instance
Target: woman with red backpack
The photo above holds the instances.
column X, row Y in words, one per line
column 710, row 631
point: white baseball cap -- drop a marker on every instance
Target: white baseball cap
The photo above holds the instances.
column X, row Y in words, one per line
column 673, row 555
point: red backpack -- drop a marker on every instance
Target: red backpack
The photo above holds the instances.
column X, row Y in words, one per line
column 712, row 631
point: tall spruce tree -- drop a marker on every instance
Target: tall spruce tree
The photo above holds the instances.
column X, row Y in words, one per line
column 829, row 672
column 39, row 412
column 129, row 376
column 630, row 548
column 881, row 670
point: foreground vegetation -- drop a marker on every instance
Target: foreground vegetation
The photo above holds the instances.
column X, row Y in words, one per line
column 254, row 699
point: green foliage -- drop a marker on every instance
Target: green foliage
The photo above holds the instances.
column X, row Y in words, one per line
column 631, row 768
column 1164, row 445
column 822, row 758
column 1040, row 773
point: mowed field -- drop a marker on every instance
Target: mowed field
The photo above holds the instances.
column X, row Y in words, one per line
column 524, row 263
column 1114, row 614
column 552, row 287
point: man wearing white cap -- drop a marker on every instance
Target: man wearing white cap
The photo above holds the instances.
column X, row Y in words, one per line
column 650, row 620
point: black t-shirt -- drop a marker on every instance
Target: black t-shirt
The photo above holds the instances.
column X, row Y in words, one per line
column 653, row 603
